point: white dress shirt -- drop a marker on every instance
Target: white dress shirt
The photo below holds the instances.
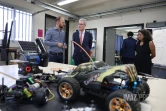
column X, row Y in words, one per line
column 83, row 33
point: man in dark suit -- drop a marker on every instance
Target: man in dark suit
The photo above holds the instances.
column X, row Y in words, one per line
column 128, row 49
column 84, row 39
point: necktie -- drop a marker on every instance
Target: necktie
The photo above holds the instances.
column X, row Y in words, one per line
column 81, row 38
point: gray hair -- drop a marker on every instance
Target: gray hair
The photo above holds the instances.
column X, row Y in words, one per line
column 82, row 19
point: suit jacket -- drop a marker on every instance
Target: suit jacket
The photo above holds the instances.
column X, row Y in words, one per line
column 128, row 48
column 86, row 44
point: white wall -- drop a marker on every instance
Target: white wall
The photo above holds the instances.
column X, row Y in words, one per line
column 113, row 20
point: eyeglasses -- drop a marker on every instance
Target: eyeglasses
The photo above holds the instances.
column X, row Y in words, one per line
column 81, row 24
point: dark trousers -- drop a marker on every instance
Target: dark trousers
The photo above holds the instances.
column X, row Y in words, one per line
column 128, row 60
column 143, row 64
column 56, row 58
column 80, row 59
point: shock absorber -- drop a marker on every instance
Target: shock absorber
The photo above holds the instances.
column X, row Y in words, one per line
column 126, row 85
column 2, row 85
column 134, row 86
column 139, row 81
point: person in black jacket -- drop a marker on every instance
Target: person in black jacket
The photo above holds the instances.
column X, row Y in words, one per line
column 84, row 39
column 128, row 49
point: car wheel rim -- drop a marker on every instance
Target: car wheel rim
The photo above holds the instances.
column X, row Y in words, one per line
column 119, row 104
column 65, row 90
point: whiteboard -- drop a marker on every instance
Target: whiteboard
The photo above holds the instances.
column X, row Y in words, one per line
column 159, row 38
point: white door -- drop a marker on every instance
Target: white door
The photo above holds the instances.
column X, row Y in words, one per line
column 110, row 46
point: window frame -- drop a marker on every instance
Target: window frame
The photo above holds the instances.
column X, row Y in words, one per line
column 26, row 32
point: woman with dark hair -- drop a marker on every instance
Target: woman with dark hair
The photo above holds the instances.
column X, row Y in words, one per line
column 145, row 50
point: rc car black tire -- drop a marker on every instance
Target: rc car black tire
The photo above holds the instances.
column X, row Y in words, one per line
column 146, row 88
column 75, row 88
column 41, row 97
column 134, row 104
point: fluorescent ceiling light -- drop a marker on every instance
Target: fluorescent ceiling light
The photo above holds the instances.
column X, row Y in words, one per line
column 133, row 27
column 66, row 2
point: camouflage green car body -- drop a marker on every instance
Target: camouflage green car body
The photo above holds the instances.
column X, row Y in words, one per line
column 88, row 70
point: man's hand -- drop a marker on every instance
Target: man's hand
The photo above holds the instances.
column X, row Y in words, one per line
column 60, row 45
column 65, row 46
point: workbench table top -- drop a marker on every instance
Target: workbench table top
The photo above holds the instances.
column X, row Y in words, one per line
column 156, row 100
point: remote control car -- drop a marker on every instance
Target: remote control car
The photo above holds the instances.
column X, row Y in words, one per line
column 99, row 79
column 26, row 90
column 49, row 77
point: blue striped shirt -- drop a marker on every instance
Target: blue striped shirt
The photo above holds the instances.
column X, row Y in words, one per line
column 52, row 38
